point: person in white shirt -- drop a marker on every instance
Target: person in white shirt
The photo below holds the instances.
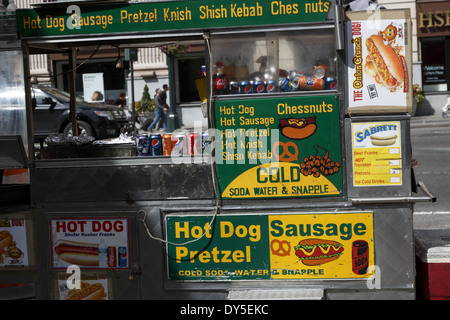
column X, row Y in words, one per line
column 446, row 107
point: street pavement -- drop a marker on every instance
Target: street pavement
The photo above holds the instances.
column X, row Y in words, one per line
column 434, row 120
column 423, row 219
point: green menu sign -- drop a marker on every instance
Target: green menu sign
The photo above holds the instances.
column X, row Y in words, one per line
column 163, row 16
column 278, row 147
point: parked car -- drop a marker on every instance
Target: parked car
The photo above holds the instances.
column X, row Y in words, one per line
column 51, row 115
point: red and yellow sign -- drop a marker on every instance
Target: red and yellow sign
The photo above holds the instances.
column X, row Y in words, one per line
column 321, row 246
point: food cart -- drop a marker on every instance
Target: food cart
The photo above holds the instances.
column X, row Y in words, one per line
column 303, row 192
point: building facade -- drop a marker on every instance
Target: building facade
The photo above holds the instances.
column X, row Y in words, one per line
column 430, row 55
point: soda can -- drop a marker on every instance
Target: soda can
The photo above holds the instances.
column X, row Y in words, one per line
column 245, row 87
column 269, row 74
column 234, row 87
column 295, row 76
column 180, row 145
column 360, row 257
column 320, row 71
column 330, row 83
column 206, row 143
column 112, row 257
column 168, row 144
column 271, row 86
column 310, row 83
column 123, row 257
column 193, row 144
column 258, row 87
column 283, row 73
column 284, row 84
column 142, row 145
column 155, row 145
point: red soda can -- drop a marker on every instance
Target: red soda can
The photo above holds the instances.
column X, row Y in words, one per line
column 310, row 83
column 112, row 257
column 168, row 144
column 360, row 257
column 194, row 144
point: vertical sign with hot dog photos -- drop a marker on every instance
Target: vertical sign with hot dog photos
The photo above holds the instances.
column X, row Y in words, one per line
column 270, row 246
column 94, row 243
column 379, row 61
column 287, row 147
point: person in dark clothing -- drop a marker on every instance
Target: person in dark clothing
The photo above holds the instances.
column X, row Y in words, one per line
column 159, row 112
column 121, row 101
column 164, row 96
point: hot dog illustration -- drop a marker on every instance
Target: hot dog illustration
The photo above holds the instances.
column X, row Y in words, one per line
column 79, row 253
column 5, row 240
column 313, row 252
column 383, row 62
column 87, row 292
column 383, row 141
column 297, row 128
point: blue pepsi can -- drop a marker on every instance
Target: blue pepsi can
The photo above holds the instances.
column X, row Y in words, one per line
column 271, row 86
column 122, row 257
column 258, row 87
column 245, row 87
column 330, row 83
column 142, row 145
column 284, row 84
column 155, row 145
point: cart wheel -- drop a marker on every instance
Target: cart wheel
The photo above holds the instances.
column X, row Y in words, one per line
column 84, row 127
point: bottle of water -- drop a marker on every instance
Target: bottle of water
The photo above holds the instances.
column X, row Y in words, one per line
column 11, row 10
column 2, row 17
column 11, row 17
column 102, row 255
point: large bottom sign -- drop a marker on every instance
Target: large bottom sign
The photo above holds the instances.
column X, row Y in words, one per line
column 275, row 246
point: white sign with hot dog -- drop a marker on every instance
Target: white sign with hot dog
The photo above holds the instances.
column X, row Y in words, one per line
column 378, row 60
column 90, row 242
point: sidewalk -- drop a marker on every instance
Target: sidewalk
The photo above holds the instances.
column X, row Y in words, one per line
column 434, row 120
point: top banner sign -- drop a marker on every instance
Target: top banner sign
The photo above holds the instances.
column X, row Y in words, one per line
column 164, row 16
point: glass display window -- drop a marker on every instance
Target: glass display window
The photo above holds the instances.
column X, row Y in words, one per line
column 435, row 67
column 269, row 62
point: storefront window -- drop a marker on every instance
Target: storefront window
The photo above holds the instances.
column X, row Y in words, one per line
column 281, row 61
column 435, row 63
column 112, row 78
column 188, row 70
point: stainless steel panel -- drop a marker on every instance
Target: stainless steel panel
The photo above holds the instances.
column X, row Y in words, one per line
column 155, row 189
column 127, row 183
column 403, row 190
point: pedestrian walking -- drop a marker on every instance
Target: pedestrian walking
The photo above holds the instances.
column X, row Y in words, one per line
column 159, row 112
column 446, row 107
